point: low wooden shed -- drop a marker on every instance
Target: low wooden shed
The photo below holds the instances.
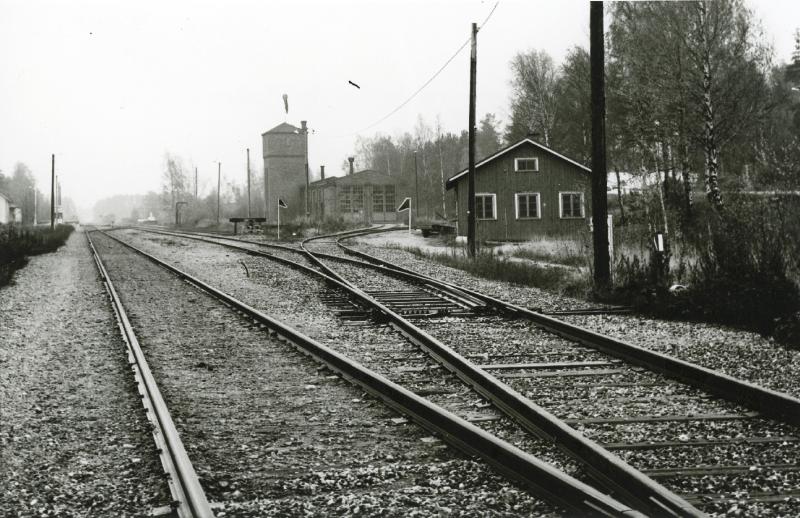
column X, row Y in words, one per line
column 523, row 191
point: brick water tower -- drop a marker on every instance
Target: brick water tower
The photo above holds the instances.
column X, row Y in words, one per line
column 285, row 161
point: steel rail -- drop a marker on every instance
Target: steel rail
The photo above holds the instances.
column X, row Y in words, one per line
column 607, row 469
column 460, row 296
column 189, row 499
column 539, row 476
column 777, row 405
column 634, row 488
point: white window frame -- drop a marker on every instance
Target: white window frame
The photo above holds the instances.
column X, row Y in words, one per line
column 494, row 206
column 561, row 208
column 538, row 205
column 518, row 170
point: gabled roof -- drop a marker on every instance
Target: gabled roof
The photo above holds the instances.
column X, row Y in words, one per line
column 451, row 182
column 7, row 197
column 283, row 127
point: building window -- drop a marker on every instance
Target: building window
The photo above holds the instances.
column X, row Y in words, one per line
column 358, row 198
column 527, row 205
column 377, row 198
column 344, row 199
column 526, row 165
column 570, row 204
column 389, row 193
column 485, row 206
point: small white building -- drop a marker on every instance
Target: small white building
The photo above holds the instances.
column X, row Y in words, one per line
column 9, row 212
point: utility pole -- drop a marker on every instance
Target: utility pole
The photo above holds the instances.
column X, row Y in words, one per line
column 52, row 192
column 602, row 267
column 304, row 130
column 473, row 64
column 416, row 189
column 219, row 184
column 266, row 197
column 248, row 183
column 195, row 182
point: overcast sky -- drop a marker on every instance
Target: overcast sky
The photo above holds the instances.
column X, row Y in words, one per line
column 109, row 86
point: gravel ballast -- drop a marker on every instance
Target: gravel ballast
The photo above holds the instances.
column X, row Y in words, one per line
column 311, row 444
column 741, row 354
column 74, row 438
column 301, row 307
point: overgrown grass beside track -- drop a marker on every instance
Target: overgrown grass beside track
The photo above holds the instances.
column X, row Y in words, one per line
column 18, row 243
column 740, row 268
column 555, row 278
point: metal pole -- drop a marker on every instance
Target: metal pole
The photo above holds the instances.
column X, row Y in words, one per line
column 52, row 192
column 248, row 183
column 195, row 183
column 416, row 189
column 219, row 182
column 409, row 219
column 34, row 207
column 279, row 219
column 473, row 64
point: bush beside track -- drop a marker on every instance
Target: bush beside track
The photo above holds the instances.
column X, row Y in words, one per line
column 17, row 244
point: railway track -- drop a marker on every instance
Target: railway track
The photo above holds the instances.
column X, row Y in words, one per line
column 726, row 444
column 613, row 475
column 188, row 497
column 740, row 446
column 544, row 480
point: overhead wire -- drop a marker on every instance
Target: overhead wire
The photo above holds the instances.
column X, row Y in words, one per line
column 424, row 85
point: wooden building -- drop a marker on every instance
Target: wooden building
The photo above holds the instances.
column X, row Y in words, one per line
column 364, row 197
column 9, row 212
column 525, row 190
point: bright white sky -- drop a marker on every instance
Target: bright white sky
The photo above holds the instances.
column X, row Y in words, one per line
column 110, row 86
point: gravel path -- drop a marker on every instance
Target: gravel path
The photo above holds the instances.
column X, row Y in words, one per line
column 311, row 444
column 74, row 439
column 742, row 354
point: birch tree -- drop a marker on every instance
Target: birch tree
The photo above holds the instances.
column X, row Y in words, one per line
column 533, row 101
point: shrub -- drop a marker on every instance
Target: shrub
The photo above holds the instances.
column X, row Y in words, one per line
column 740, row 269
column 742, row 274
column 19, row 243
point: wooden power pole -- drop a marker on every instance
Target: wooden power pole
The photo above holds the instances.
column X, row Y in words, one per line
column 602, row 266
column 473, row 59
column 248, row 183
column 195, row 182
column 219, row 185
column 52, row 192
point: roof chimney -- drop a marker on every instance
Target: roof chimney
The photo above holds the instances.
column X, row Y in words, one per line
column 322, row 171
column 303, row 127
column 351, row 159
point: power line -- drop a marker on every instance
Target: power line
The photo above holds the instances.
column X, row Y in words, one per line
column 429, row 81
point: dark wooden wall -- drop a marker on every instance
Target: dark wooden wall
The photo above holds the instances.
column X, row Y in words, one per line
column 498, row 177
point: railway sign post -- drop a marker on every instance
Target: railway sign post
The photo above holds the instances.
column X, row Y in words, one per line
column 281, row 205
column 406, row 205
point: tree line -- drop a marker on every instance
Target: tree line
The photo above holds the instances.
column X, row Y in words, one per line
column 694, row 102
column 21, row 187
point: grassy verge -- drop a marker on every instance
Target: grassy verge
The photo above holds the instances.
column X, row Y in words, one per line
column 740, row 270
column 565, row 281
column 19, row 243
